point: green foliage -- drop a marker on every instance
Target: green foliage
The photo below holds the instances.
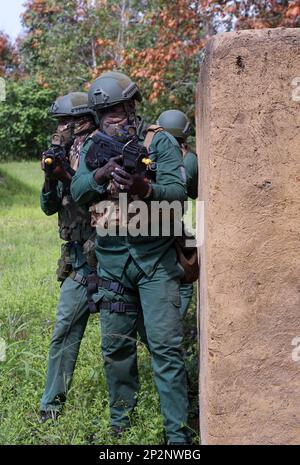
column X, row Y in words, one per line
column 29, row 248
column 68, row 43
column 24, row 121
column 6, row 54
column 58, row 44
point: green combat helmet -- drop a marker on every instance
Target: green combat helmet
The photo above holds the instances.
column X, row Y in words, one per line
column 73, row 104
column 112, row 88
column 176, row 123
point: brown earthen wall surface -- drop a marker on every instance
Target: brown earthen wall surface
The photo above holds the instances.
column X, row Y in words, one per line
column 248, row 142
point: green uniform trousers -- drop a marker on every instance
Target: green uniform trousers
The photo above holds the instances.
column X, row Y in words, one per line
column 186, row 294
column 71, row 320
column 160, row 300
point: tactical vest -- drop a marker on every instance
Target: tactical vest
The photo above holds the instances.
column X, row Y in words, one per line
column 74, row 221
column 111, row 218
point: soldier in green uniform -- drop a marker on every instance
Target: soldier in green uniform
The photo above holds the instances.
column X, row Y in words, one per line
column 178, row 124
column 75, row 122
column 137, row 274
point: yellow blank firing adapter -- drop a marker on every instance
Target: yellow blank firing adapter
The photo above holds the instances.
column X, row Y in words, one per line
column 146, row 161
column 48, row 161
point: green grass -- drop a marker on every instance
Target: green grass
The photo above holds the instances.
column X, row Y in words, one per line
column 29, row 249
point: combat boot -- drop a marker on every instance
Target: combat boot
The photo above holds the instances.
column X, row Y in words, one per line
column 46, row 415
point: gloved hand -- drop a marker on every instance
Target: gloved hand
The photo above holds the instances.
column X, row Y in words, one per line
column 133, row 184
column 58, row 173
column 103, row 174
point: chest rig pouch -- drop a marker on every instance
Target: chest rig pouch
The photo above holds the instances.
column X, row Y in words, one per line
column 74, row 221
column 89, row 250
column 64, row 263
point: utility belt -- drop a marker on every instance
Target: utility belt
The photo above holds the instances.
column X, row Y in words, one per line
column 94, row 282
column 119, row 307
column 79, row 278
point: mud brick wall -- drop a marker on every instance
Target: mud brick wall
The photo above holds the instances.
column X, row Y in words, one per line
column 248, row 142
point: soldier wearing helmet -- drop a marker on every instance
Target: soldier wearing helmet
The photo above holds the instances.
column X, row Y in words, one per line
column 75, row 122
column 138, row 277
column 178, row 124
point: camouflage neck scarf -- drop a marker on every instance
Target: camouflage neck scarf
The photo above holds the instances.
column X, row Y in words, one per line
column 83, row 125
column 64, row 132
column 79, row 140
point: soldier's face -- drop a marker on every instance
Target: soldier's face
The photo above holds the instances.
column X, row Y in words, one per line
column 65, row 129
column 114, row 119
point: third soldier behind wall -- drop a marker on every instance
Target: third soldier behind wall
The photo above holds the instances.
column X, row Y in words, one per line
column 178, row 124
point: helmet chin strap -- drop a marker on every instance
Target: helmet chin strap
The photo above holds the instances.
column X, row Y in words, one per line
column 129, row 107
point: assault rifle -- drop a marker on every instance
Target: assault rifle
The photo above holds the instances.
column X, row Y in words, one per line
column 135, row 157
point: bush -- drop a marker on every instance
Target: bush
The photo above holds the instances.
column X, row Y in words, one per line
column 24, row 121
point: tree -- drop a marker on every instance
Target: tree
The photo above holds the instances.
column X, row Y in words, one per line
column 168, row 65
column 159, row 43
column 223, row 16
column 68, row 43
column 7, row 56
column 24, row 121
column 59, row 45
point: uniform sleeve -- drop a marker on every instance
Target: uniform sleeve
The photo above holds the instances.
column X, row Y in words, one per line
column 84, row 188
column 50, row 201
column 170, row 183
column 191, row 169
